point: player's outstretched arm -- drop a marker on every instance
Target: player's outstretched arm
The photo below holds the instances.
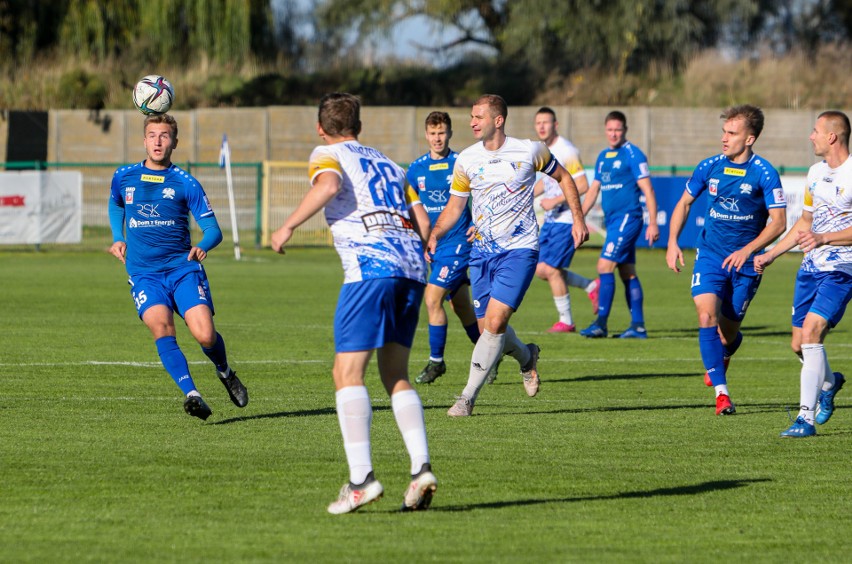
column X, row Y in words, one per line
column 325, row 188
column 448, row 218
column 789, row 241
column 808, row 240
column 579, row 231
column 674, row 254
column 591, row 197
column 770, row 232
column 421, row 222
column 652, row 233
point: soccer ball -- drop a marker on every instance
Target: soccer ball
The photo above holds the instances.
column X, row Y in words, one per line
column 153, row 95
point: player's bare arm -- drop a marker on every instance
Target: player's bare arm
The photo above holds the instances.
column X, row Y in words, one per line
column 325, row 188
column 448, row 218
column 421, row 222
column 569, row 189
column 119, row 251
column 591, row 197
column 652, row 233
column 808, row 240
column 772, row 231
column 789, row 241
column 674, row 254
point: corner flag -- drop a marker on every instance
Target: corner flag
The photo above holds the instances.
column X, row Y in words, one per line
column 225, row 162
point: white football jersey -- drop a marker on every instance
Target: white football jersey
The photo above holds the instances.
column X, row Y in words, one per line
column 369, row 218
column 829, row 197
column 569, row 157
column 500, row 185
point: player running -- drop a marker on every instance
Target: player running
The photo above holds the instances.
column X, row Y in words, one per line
column 378, row 225
column 431, row 175
column 743, row 191
column 149, row 209
column 824, row 281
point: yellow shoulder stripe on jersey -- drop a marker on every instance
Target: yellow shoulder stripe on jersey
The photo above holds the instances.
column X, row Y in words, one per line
column 809, row 197
column 324, row 162
column 461, row 182
column 439, row 166
column 734, row 171
column 411, row 194
column 153, row 178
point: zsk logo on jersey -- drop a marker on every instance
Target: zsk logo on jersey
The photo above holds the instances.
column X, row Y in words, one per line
column 729, row 204
column 778, row 194
column 128, row 195
column 438, row 196
column 169, row 193
column 148, row 210
column 746, row 188
column 606, row 177
column 713, row 186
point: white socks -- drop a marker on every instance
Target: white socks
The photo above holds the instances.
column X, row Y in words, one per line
column 408, row 411
column 515, row 348
column 563, row 306
column 814, row 371
column 486, row 353
column 355, row 415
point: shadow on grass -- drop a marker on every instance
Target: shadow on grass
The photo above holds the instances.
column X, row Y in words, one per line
column 695, row 489
column 311, row 413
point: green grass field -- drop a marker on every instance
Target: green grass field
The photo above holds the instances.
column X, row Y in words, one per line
column 619, row 458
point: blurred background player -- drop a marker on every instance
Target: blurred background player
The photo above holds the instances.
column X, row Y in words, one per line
column 622, row 174
column 498, row 174
column 824, row 281
column 556, row 245
column 743, row 191
column 372, row 213
column 149, row 209
column 431, row 175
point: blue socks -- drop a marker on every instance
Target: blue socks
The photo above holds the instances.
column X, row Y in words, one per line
column 605, row 296
column 731, row 348
column 437, row 340
column 634, row 301
column 712, row 353
column 472, row 331
column 175, row 363
column 217, row 354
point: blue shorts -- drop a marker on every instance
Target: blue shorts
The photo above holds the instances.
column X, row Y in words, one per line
column 557, row 245
column 823, row 293
column 179, row 289
column 504, row 277
column 735, row 289
column 373, row 313
column 621, row 236
column 449, row 272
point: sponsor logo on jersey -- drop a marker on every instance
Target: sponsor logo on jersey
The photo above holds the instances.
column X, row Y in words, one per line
column 731, row 171
column 385, row 220
column 153, row 178
column 610, row 154
column 128, row 194
column 606, row 177
column 778, row 193
column 643, row 168
column 439, row 166
column 713, row 186
column 729, row 204
column 746, row 188
column 169, row 193
column 148, row 210
column 207, row 203
column 15, row 201
column 438, row 196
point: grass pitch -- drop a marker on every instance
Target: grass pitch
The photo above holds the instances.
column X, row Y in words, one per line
column 619, row 458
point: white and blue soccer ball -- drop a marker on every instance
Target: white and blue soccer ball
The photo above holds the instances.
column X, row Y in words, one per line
column 153, row 95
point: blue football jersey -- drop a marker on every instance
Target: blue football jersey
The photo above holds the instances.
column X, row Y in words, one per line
column 739, row 197
column 157, row 204
column 618, row 170
column 432, row 178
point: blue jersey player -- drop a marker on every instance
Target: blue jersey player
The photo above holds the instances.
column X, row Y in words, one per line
column 149, row 209
column 743, row 192
column 621, row 175
column 431, row 175
column 378, row 227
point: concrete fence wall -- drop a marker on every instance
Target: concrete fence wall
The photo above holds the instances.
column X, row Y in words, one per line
column 669, row 136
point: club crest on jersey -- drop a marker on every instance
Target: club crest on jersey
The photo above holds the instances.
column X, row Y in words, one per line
column 169, row 193
column 421, row 183
column 778, row 194
column 128, row 194
column 201, row 294
column 445, row 271
column 746, row 188
column 713, row 186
